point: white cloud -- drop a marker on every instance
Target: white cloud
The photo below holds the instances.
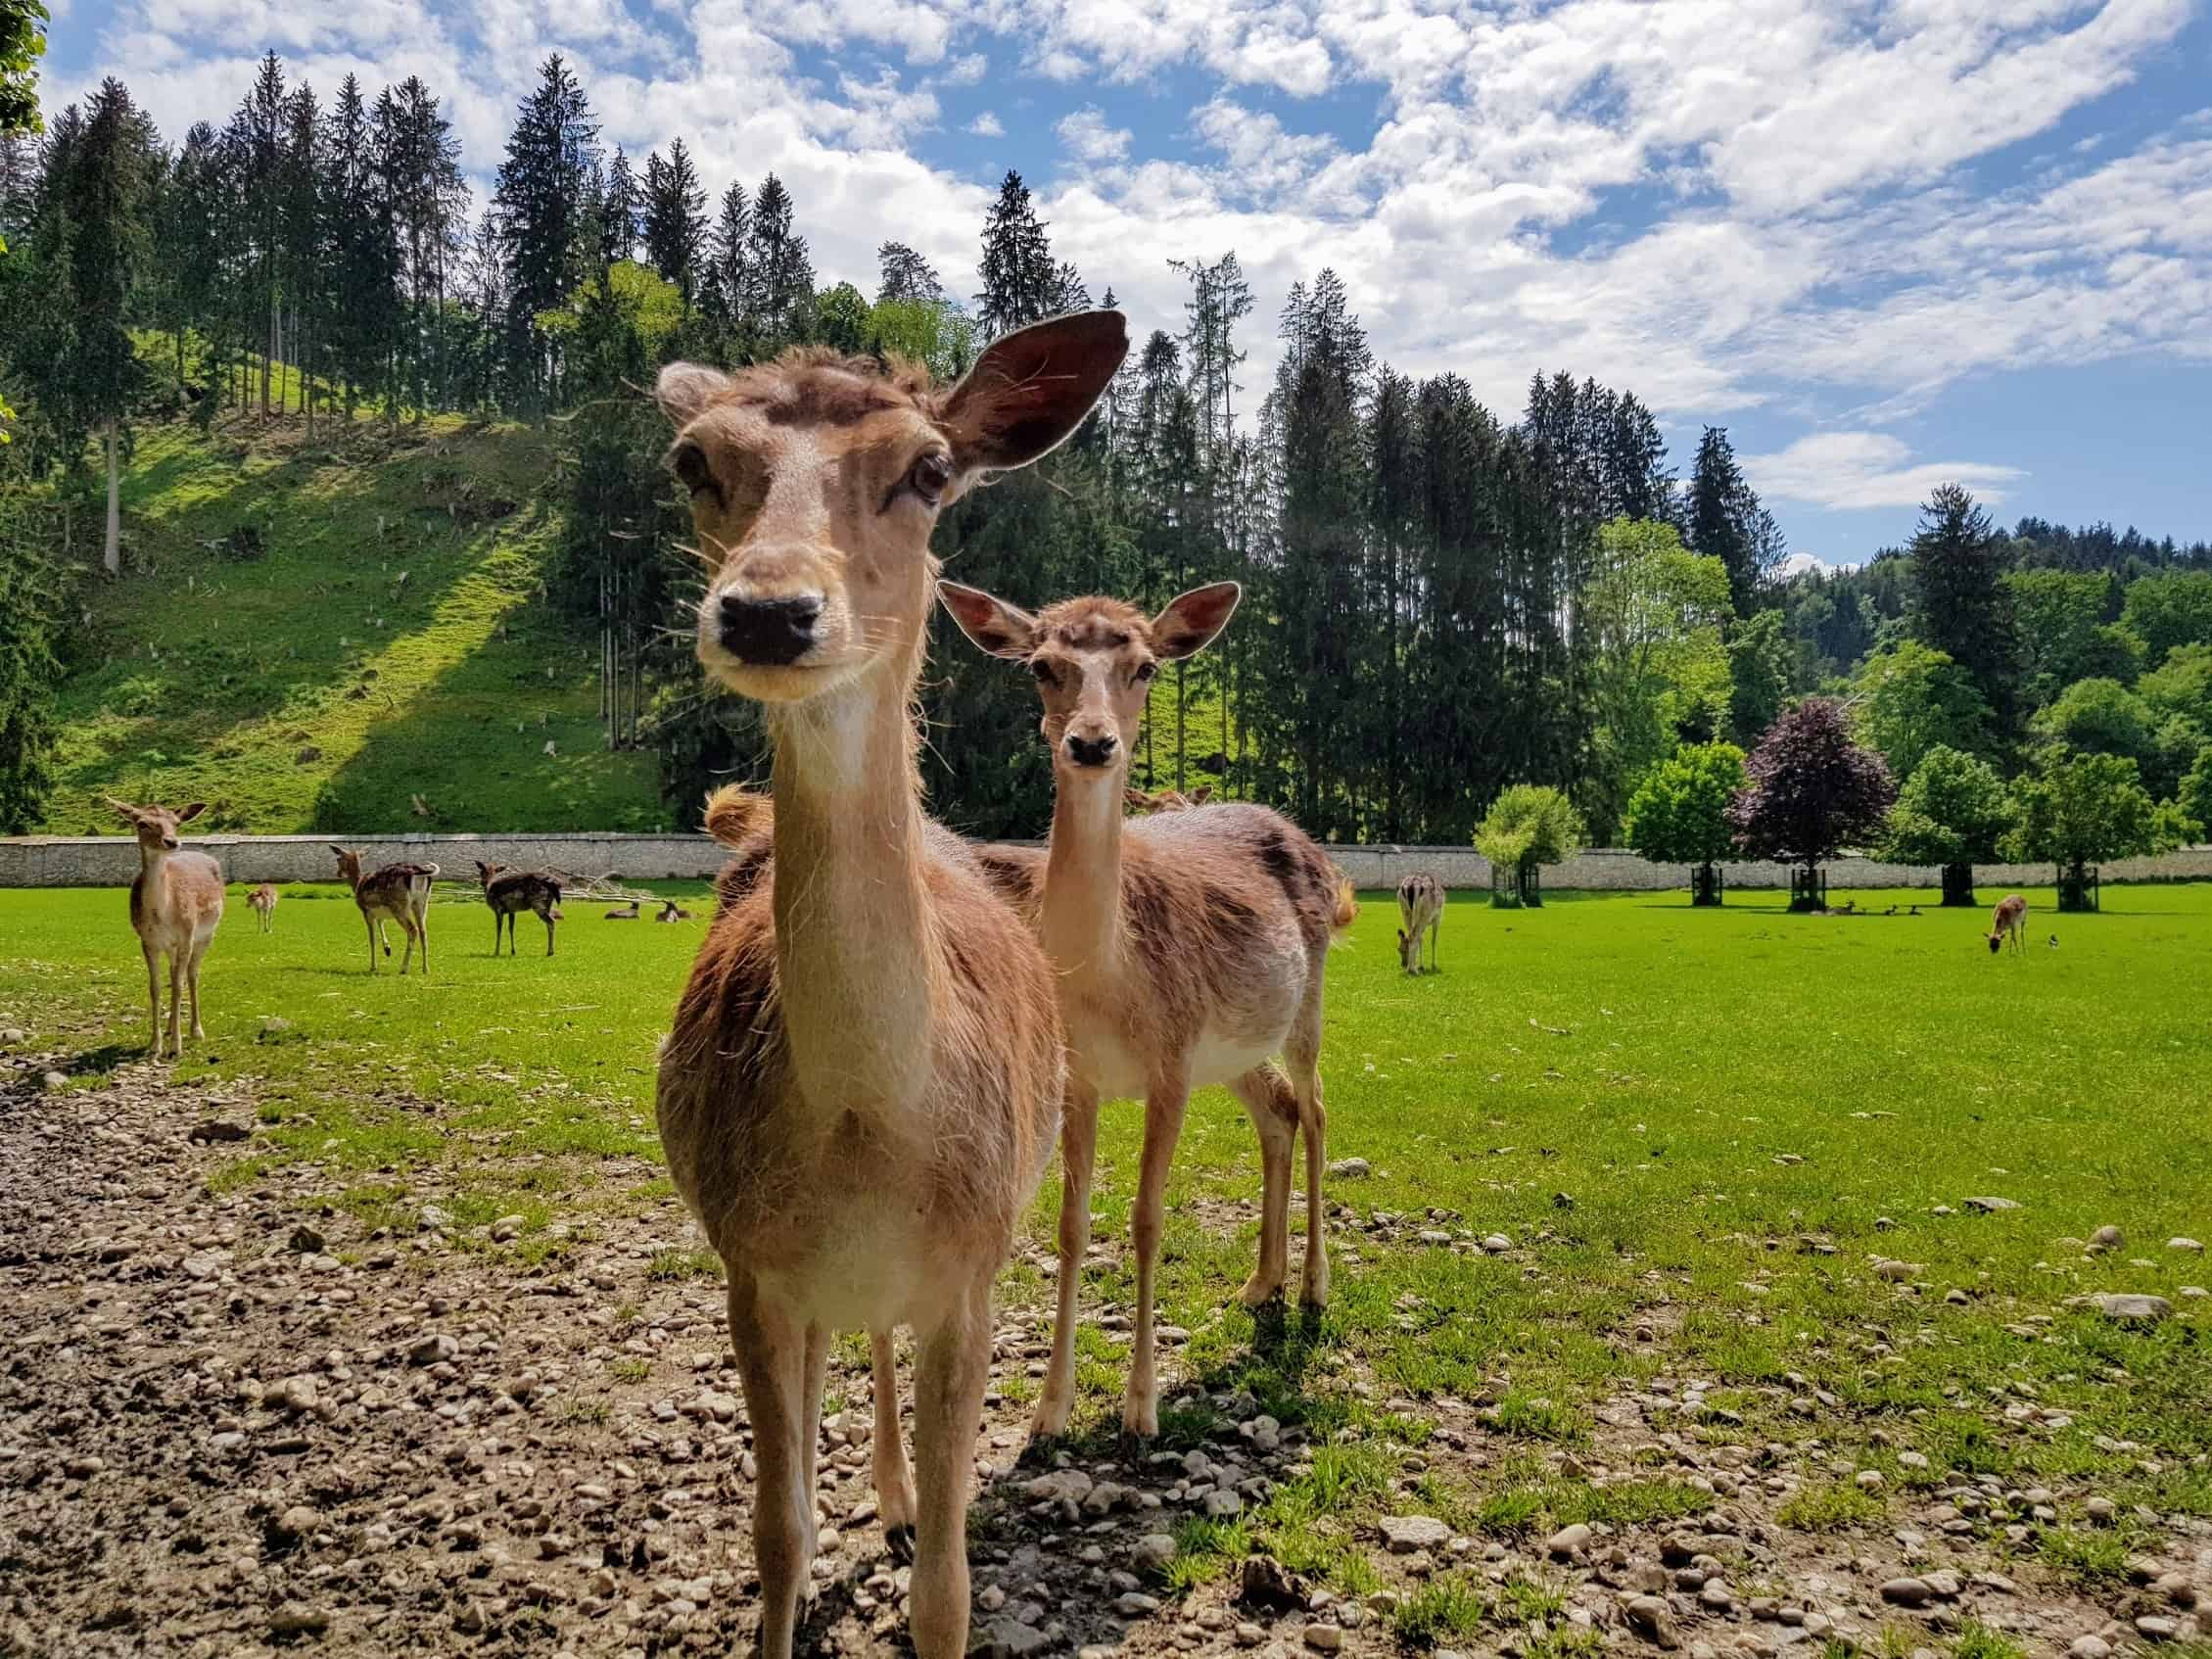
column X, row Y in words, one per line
column 1087, row 138
column 1868, row 469
column 986, row 125
column 965, row 71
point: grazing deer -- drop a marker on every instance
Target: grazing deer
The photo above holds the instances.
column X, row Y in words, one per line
column 400, row 891
column 1421, row 910
column 622, row 912
column 263, row 902
column 2010, row 920
column 863, row 1085
column 671, row 911
column 1190, row 949
column 510, row 892
column 175, row 902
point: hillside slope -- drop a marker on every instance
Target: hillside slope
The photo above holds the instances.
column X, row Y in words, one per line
column 306, row 635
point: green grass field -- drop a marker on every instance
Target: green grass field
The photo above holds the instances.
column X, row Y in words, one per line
column 1700, row 1130
column 389, row 639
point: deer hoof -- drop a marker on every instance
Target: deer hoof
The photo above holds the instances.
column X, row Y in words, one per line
column 899, row 1540
column 1258, row 1292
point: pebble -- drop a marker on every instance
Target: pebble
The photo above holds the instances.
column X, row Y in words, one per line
column 1350, row 1170
column 2156, row 1627
column 1154, row 1550
column 1568, row 1540
column 1990, row 1206
column 2102, row 1510
column 431, row 1348
column 1907, row 1592
column 1324, row 1637
column 1407, row 1533
column 2189, row 1245
column 1498, row 1244
column 1221, row 1504
column 2106, row 1238
column 2089, row 1647
column 1650, row 1618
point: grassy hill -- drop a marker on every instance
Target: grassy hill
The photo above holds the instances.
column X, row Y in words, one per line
column 306, row 635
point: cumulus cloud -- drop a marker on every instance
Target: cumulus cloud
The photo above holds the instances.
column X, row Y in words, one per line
column 1868, row 469
column 1086, row 136
column 986, row 125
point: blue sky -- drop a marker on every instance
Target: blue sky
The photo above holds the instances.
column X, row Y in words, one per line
column 1886, row 243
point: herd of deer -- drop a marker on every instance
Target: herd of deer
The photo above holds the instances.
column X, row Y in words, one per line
column 888, row 1027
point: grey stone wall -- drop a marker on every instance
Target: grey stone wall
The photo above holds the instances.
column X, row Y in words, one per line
column 112, row 861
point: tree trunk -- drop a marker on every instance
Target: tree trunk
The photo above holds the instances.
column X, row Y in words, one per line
column 2077, row 888
column 1705, row 883
column 112, row 556
column 1959, row 885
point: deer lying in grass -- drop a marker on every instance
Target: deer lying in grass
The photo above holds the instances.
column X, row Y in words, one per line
column 1190, row 949
column 671, row 911
column 2011, row 921
column 1166, row 800
column 400, row 891
column 264, row 900
column 1421, row 910
column 623, row 913
column 176, row 904
column 510, row 892
column 861, row 1088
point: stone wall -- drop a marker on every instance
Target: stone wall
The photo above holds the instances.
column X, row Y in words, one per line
column 112, row 861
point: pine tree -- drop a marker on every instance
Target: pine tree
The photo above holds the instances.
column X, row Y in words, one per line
column 618, row 210
column 1961, row 603
column 1726, row 521
column 189, row 230
column 779, row 275
column 724, row 288
column 905, row 274
column 676, row 220
column 262, row 118
column 1021, row 284
column 543, row 230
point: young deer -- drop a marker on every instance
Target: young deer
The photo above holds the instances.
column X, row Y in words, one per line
column 264, row 900
column 861, row 1088
column 399, row 891
column 1421, row 910
column 510, row 892
column 2009, row 922
column 1190, row 949
column 175, row 902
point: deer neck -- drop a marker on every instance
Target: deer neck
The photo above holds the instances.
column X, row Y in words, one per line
column 153, row 877
column 855, row 936
column 1081, row 908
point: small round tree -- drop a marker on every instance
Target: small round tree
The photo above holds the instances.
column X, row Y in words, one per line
column 2077, row 810
column 1952, row 812
column 1812, row 791
column 1679, row 813
column 1528, row 825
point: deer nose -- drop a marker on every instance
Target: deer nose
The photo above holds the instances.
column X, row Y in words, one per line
column 1091, row 751
column 769, row 632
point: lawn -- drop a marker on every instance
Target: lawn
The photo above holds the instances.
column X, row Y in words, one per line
column 1699, row 1131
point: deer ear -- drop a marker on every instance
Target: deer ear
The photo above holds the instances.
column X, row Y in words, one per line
column 128, row 814
column 1032, row 389
column 186, row 814
column 336, row 848
column 1201, row 794
column 998, row 628
column 1191, row 620
column 685, row 389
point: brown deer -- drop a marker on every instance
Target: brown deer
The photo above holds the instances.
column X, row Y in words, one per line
column 1190, row 949
column 1421, row 910
column 1166, row 800
column 2011, row 921
column 175, row 902
column 863, row 1085
column 263, row 902
column 510, row 892
column 400, row 891
column 624, row 911
column 671, row 911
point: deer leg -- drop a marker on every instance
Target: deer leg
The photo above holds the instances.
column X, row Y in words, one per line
column 1303, row 1052
column 422, row 930
column 894, row 1477
column 549, row 935
column 371, row 923
column 176, row 998
column 810, row 1443
column 154, row 1002
column 1164, row 1105
column 1078, row 1151
column 192, row 985
column 1274, row 1112
column 408, row 926
column 771, row 1364
column 948, row 1409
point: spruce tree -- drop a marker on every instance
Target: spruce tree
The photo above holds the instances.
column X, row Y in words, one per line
column 1961, row 603
column 779, row 275
column 904, row 275
column 618, row 210
column 724, row 288
column 543, row 232
column 676, row 220
column 1021, row 284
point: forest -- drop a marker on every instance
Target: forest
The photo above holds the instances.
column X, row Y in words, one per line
column 1443, row 600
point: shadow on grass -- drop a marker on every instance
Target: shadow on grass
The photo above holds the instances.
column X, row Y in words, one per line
column 99, row 1061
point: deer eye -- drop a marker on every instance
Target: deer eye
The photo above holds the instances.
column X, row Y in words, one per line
column 1042, row 670
column 1145, row 671
column 690, row 462
column 929, row 476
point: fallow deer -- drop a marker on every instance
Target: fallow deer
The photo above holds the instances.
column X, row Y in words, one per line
column 400, row 891
column 1190, row 948
column 2011, row 921
column 1166, row 800
column 175, row 902
column 264, row 900
column 624, row 911
column 863, row 1085
column 510, row 892
column 671, row 911
column 1421, row 910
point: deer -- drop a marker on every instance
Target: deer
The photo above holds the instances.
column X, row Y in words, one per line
column 1189, row 946
column 1166, row 800
column 671, row 911
column 862, row 1086
column 510, row 892
column 262, row 899
column 399, row 891
column 623, row 913
column 1421, row 911
column 176, row 904
column 2009, row 922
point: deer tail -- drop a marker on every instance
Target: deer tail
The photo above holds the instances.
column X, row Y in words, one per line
column 1348, row 908
column 735, row 815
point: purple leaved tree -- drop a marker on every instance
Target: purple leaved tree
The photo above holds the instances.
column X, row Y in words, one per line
column 1812, row 791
